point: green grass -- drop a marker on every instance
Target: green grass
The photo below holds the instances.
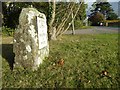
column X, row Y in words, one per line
column 85, row 57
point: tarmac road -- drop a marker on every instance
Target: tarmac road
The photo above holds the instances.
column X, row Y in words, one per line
column 96, row 30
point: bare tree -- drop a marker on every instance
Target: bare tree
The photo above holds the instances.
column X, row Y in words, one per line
column 57, row 29
column 73, row 17
column 51, row 28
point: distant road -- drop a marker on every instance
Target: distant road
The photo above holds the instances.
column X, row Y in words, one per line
column 95, row 30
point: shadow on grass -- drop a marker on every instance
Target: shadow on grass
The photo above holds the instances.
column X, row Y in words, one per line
column 7, row 53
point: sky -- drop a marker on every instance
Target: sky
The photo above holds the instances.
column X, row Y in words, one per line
column 108, row 0
column 114, row 6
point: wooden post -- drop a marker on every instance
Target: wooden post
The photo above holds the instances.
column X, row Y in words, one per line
column 73, row 28
column 106, row 24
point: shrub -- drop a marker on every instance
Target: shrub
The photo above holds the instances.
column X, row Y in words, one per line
column 97, row 18
column 112, row 16
column 7, row 31
column 78, row 24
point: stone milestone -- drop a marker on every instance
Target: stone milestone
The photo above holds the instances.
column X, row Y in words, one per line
column 30, row 43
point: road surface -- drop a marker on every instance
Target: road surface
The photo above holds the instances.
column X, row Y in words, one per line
column 95, row 30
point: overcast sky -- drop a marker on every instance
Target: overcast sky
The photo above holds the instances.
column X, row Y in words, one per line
column 114, row 6
column 108, row 0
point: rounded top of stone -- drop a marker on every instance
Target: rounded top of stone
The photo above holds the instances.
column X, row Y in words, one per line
column 28, row 13
column 34, row 10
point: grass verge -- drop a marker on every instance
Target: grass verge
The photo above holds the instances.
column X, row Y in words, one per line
column 90, row 61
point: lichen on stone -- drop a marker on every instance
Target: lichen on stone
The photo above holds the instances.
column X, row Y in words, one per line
column 26, row 46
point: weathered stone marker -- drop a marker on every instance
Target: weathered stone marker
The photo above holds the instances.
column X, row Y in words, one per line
column 30, row 39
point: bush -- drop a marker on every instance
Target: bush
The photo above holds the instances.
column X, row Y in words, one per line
column 78, row 24
column 112, row 16
column 97, row 18
column 7, row 31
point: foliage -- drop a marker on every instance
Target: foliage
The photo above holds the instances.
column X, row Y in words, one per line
column 112, row 16
column 7, row 31
column 85, row 58
column 43, row 7
column 62, row 17
column 63, row 13
column 72, row 14
column 62, row 8
column 82, row 12
column 78, row 24
column 11, row 11
column 105, row 8
column 97, row 18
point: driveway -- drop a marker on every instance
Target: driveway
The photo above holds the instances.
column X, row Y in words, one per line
column 95, row 30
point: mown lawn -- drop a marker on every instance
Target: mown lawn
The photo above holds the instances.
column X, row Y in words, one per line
column 90, row 61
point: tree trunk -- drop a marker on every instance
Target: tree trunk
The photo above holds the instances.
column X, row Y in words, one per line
column 72, row 20
column 73, row 28
column 52, row 29
column 53, row 36
column 59, row 29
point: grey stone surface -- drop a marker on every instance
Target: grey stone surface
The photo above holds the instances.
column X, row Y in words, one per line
column 26, row 39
